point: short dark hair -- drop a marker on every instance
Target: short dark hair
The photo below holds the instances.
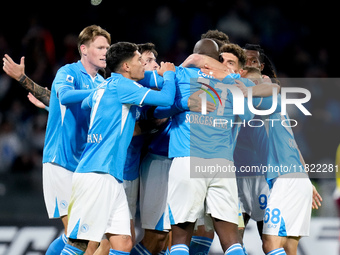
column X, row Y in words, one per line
column 218, row 36
column 237, row 51
column 269, row 68
column 257, row 48
column 118, row 53
column 147, row 47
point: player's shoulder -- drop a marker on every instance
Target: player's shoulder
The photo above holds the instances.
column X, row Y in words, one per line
column 70, row 67
column 121, row 82
column 68, row 70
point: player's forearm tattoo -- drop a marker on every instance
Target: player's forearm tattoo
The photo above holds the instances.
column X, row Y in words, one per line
column 39, row 92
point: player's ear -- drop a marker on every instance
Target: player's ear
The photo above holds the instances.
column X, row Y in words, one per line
column 83, row 50
column 262, row 66
column 126, row 66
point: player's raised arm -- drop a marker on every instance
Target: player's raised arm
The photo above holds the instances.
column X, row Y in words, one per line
column 17, row 72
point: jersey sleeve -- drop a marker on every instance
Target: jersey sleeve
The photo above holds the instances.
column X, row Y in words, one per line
column 180, row 105
column 152, row 80
column 65, row 77
column 166, row 96
column 65, row 86
column 131, row 92
column 87, row 102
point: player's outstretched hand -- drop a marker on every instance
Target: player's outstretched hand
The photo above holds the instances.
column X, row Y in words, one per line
column 12, row 69
column 317, row 199
column 195, row 103
column 166, row 66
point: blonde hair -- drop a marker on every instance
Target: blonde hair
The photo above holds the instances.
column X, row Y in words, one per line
column 252, row 70
column 88, row 34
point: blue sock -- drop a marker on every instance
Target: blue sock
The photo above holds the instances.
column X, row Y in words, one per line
column 57, row 245
column 167, row 252
column 116, row 252
column 71, row 250
column 279, row 251
column 139, row 249
column 179, row 249
column 235, row 249
column 200, row 245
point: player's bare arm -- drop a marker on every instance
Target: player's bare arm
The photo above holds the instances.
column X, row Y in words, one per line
column 261, row 90
column 201, row 61
column 17, row 72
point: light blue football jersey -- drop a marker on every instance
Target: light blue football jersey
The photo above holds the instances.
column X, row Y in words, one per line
column 67, row 127
column 283, row 155
column 113, row 116
column 207, row 136
column 271, row 147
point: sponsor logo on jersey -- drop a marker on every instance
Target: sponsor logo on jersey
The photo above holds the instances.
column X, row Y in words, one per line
column 69, row 78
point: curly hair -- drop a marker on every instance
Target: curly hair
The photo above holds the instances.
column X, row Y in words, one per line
column 218, row 36
column 237, row 51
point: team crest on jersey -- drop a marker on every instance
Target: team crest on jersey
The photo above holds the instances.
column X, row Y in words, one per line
column 69, row 78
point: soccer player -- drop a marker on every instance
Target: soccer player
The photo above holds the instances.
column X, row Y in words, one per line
column 260, row 155
column 133, row 158
column 153, row 168
column 234, row 58
column 154, row 182
column 253, row 189
column 288, row 212
column 202, row 239
column 288, row 208
column 67, row 124
column 98, row 203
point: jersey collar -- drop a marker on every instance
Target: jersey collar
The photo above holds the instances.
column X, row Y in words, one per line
column 83, row 70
